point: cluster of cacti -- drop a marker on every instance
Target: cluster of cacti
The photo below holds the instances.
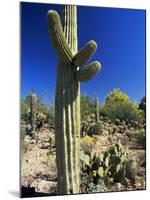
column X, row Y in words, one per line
column 85, row 158
column 118, row 158
column 113, row 166
column 70, row 71
column 33, row 110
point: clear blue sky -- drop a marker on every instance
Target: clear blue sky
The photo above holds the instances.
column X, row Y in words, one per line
column 119, row 33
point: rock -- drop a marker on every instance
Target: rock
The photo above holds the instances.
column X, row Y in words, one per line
column 23, row 123
column 44, row 186
column 114, row 129
column 118, row 122
column 105, row 132
column 27, row 139
column 119, row 187
column 38, row 161
column 44, row 136
column 123, row 122
column 44, row 145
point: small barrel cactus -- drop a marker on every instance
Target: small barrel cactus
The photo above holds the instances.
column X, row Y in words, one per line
column 97, row 128
column 131, row 169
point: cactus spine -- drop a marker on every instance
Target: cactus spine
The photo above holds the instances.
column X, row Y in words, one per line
column 67, row 97
column 33, row 108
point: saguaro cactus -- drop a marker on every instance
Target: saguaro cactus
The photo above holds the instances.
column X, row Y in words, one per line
column 98, row 124
column 63, row 33
column 33, row 108
column 96, row 110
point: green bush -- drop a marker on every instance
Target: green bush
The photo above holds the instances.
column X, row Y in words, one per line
column 116, row 96
column 141, row 139
column 142, row 104
column 127, row 111
column 41, row 107
column 25, row 105
column 118, row 106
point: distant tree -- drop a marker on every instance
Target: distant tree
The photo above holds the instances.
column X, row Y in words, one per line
column 142, row 104
column 118, row 106
column 116, row 96
column 41, row 107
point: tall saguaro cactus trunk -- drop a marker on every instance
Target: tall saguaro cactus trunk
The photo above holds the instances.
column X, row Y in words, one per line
column 63, row 33
column 67, row 113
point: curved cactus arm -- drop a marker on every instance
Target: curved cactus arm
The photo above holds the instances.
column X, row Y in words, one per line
column 88, row 72
column 58, row 39
column 84, row 54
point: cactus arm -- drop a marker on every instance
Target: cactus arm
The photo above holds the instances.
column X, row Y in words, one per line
column 84, row 54
column 58, row 39
column 88, row 72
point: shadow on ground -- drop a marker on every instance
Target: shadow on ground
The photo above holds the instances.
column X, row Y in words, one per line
column 30, row 192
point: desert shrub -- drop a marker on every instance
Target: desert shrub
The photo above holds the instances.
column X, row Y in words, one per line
column 118, row 106
column 87, row 105
column 127, row 111
column 141, row 138
column 41, row 107
column 87, row 144
column 130, row 134
column 25, row 109
column 88, row 139
column 116, row 96
column 142, row 160
column 142, row 104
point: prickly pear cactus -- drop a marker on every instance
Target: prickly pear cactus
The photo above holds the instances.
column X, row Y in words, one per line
column 70, row 71
column 33, row 109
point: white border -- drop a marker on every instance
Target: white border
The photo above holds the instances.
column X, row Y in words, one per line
column 109, row 3
column 9, row 100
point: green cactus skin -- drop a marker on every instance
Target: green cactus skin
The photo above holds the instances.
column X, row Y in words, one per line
column 96, row 110
column 33, row 108
column 58, row 38
column 98, row 124
column 101, row 172
column 67, row 103
column 88, row 72
column 67, row 99
column 85, row 53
